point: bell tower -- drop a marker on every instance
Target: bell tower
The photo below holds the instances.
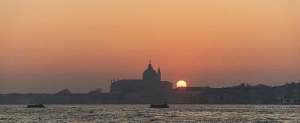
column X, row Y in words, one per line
column 158, row 75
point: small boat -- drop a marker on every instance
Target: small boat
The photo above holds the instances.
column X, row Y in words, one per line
column 41, row 105
column 164, row 105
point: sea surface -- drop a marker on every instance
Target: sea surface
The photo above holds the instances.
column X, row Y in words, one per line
column 141, row 113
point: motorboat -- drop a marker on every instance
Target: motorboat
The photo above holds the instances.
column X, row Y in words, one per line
column 40, row 105
column 164, row 105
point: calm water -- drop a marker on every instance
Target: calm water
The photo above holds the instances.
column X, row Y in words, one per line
column 141, row 113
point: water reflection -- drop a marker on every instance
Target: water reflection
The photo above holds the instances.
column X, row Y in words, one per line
column 141, row 113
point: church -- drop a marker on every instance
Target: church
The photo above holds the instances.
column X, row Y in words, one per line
column 150, row 82
column 141, row 90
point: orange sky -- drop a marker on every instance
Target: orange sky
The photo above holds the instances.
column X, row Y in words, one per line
column 47, row 46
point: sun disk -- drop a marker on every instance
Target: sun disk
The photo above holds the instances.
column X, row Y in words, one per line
column 181, row 83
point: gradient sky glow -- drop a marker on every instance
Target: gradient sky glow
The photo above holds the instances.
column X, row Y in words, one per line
column 47, row 46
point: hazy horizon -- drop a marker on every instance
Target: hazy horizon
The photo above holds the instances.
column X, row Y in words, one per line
column 48, row 46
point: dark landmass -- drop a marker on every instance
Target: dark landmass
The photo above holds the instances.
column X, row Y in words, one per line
column 241, row 94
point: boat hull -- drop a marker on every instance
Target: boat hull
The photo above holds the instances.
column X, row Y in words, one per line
column 159, row 106
column 35, row 106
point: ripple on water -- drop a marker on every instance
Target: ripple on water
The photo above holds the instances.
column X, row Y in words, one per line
column 141, row 113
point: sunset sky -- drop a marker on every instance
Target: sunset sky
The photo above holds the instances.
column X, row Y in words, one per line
column 47, row 46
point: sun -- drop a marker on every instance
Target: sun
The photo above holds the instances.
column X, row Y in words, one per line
column 181, row 83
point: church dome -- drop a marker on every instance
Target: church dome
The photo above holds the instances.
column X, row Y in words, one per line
column 150, row 74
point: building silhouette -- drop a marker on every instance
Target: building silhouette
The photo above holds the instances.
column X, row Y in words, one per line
column 151, row 89
column 142, row 90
